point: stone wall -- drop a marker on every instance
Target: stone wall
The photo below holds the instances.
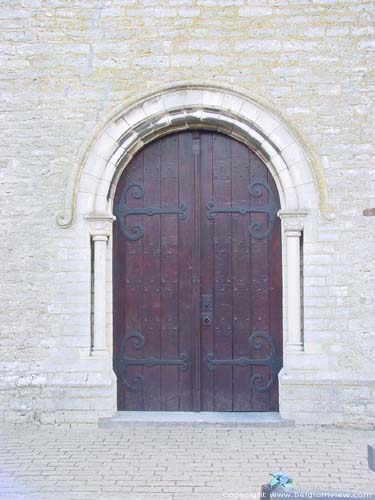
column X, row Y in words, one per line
column 66, row 65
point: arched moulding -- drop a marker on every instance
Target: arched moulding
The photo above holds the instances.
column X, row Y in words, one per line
column 297, row 174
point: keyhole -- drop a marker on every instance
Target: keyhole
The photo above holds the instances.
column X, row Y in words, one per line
column 206, row 321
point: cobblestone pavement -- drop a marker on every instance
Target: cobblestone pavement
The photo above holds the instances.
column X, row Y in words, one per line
column 178, row 462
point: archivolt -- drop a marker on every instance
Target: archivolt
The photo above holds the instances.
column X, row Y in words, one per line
column 92, row 184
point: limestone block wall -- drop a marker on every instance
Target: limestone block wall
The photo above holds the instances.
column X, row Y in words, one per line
column 66, row 65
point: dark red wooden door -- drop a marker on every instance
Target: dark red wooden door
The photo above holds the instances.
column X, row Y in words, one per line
column 197, row 278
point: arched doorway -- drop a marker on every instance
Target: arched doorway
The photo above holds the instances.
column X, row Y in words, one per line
column 197, row 277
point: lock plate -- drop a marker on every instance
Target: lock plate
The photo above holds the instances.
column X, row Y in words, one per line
column 206, row 309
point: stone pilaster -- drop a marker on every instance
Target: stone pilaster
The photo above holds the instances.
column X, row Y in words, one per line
column 292, row 222
column 100, row 230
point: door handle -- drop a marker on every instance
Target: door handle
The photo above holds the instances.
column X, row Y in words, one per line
column 206, row 309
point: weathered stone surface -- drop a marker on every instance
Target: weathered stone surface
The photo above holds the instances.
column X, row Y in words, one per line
column 67, row 66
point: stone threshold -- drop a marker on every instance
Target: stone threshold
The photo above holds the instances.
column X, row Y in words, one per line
column 258, row 419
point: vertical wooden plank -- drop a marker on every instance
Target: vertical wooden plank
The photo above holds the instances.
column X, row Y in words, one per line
column 260, row 282
column 240, row 171
column 169, row 273
column 118, row 287
column 118, row 284
column 275, row 294
column 151, row 267
column 186, row 324
column 128, row 286
column 222, row 273
column 196, row 273
column 207, row 278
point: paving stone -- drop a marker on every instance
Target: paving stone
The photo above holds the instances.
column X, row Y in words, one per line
column 230, row 463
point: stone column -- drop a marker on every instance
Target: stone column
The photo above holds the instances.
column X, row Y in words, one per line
column 100, row 227
column 292, row 221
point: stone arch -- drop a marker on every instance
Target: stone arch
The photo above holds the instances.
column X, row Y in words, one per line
column 92, row 185
column 93, row 181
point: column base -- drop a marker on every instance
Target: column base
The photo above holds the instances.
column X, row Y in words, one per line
column 99, row 353
column 298, row 347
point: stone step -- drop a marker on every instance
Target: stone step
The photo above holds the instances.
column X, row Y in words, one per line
column 259, row 419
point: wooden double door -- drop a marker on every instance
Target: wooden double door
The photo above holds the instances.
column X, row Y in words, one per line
column 197, row 278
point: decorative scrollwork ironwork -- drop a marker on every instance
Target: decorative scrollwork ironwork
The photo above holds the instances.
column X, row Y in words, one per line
column 122, row 210
column 122, row 361
column 258, row 340
column 256, row 229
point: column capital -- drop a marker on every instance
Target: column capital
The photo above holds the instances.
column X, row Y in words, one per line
column 100, row 225
column 99, row 237
column 293, row 220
